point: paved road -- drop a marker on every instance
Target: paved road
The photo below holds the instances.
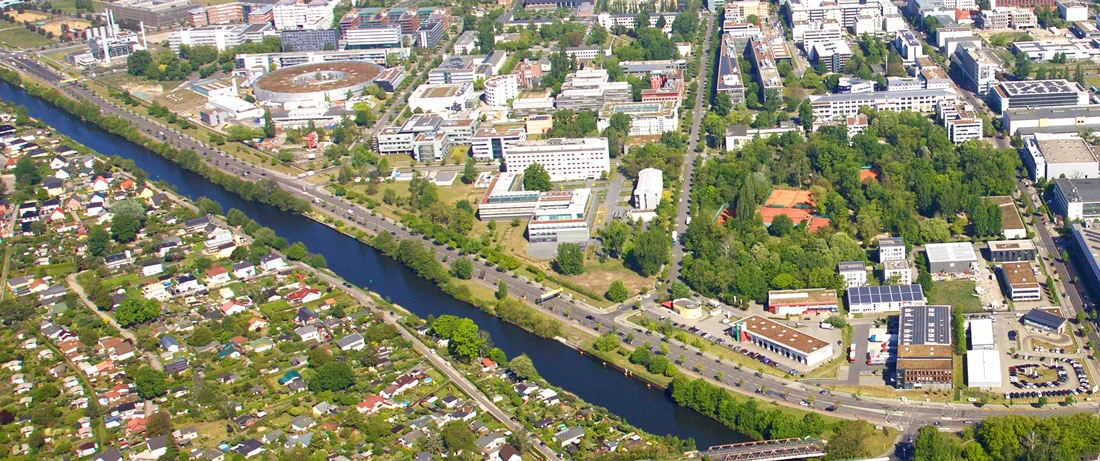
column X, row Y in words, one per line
column 683, row 207
column 907, row 416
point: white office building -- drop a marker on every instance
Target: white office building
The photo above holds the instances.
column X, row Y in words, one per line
column 560, row 217
column 373, row 36
column 961, row 121
column 1073, row 11
column 646, row 118
column 292, row 14
column 220, row 37
column 441, row 98
column 565, row 159
column 853, row 272
column 891, row 249
column 1077, row 199
column 647, row 193
column 490, row 142
column 1059, row 155
column 501, row 90
column 838, row 106
column 897, row 270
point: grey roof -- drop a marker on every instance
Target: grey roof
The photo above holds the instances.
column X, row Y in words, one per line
column 349, row 340
column 891, row 242
column 570, row 433
column 851, row 266
column 1045, row 318
column 885, row 293
column 956, row 251
column 1079, row 189
column 924, row 325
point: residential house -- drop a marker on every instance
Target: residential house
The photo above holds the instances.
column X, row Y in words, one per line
column 352, row 342
column 272, row 263
column 244, row 270
column 217, row 275
column 308, row 333
column 151, row 268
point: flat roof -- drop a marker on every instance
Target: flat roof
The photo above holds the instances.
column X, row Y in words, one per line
column 884, row 242
column 885, row 293
column 1066, row 150
column 1019, row 274
column 981, row 331
column 922, row 352
column 1090, row 238
column 983, row 366
column 1010, row 216
column 782, row 334
column 1027, row 113
column 954, row 251
column 811, row 297
column 924, row 325
column 896, row 264
column 851, row 266
column 1045, row 318
column 1009, row 245
column 1034, row 87
column 1079, row 189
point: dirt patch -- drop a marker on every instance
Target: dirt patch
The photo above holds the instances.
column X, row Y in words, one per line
column 31, row 16
column 74, row 24
column 598, row 277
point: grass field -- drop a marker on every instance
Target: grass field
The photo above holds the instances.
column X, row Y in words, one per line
column 19, row 37
column 956, row 293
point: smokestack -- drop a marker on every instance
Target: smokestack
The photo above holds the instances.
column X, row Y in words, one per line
column 144, row 42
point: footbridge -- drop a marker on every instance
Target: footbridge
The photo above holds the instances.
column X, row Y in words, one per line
column 768, row 450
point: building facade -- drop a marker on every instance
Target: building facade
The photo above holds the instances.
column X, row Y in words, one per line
column 564, row 159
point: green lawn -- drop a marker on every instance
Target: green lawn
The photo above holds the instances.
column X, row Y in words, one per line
column 958, row 294
column 19, row 37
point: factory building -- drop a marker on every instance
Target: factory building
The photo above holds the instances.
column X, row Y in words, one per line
column 781, row 339
column 1019, row 283
column 951, row 258
column 884, row 298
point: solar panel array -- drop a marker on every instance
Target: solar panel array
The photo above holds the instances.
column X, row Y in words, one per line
column 885, row 294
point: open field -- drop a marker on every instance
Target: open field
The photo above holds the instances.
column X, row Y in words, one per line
column 26, row 15
column 956, row 293
column 55, row 26
column 19, row 37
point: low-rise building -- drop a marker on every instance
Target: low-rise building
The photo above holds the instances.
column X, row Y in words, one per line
column 1059, row 155
column 884, row 298
column 961, row 121
column 1077, row 199
column 1031, row 94
column 442, row 98
column 1048, row 320
column 561, row 217
column 897, row 272
column 951, row 258
column 799, row 302
column 1087, row 239
column 1019, row 283
column 983, row 369
column 981, row 334
column 646, row 118
column 924, row 348
column 853, row 272
column 489, row 143
column 891, row 249
column 781, row 339
column 650, row 186
column 1001, row 251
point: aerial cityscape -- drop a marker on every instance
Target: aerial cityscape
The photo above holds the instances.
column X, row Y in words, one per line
column 549, row 229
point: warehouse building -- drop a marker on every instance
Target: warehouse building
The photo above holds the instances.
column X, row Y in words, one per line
column 799, row 302
column 884, row 298
column 924, row 348
column 1045, row 320
column 983, row 369
column 647, row 193
column 891, row 249
column 782, row 340
column 981, row 334
column 951, row 258
column 1003, row 251
column 1070, row 119
column 853, row 272
column 1087, row 238
column 1038, row 93
column 1077, row 199
column 1059, row 155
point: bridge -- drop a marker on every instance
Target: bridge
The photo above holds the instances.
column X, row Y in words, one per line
column 768, row 450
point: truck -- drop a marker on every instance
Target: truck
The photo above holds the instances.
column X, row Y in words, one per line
column 675, row 237
column 852, row 353
column 687, row 222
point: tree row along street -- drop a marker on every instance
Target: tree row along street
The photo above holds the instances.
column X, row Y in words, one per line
column 905, row 416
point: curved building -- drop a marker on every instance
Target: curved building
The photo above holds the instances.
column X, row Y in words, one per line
column 316, row 83
column 499, row 90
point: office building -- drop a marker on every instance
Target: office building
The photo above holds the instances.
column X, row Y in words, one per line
column 430, row 32
column 1019, row 282
column 934, row 78
column 739, row 135
column 220, row 37
column 981, row 334
column 854, row 273
column 1047, row 50
column 782, row 340
column 591, row 89
column 665, row 87
column 295, row 14
column 650, row 186
column 259, row 63
column 489, row 143
column 1053, row 120
column 811, row 32
column 442, row 98
column 1037, row 94
column 961, row 121
column 951, row 258
column 506, row 199
column 466, row 43
column 762, row 55
column 1001, row 251
column 461, row 69
column 560, row 217
column 423, row 137
column 833, row 55
column 799, row 302
column 924, row 348
column 883, row 298
column 373, row 36
column 1086, row 236
column 151, row 13
column 1077, row 199
column 310, row 39
column 729, row 72
column 225, row 13
column 501, row 90
column 891, row 249
column 983, row 369
column 1072, row 11
column 1049, row 320
column 897, row 272
column 839, row 106
column 646, row 118
column 659, row 67
column 908, row 46
column 979, row 67
column 564, row 159
column 610, row 21
column 390, row 79
column 903, row 84
column 1058, row 156
column 739, row 11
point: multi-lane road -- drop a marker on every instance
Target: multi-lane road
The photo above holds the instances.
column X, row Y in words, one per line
column 908, row 416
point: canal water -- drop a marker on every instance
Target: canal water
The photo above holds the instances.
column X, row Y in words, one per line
column 648, row 409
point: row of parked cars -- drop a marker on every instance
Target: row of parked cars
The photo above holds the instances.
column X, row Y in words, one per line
column 1032, row 371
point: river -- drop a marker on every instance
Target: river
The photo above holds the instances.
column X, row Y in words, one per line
column 648, row 409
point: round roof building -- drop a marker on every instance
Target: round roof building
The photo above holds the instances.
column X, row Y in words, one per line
column 330, row 81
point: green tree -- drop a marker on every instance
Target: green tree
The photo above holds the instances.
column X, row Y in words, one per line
column 502, row 289
column 136, row 310
column 457, row 437
column 332, row 376
column 523, row 368
column 297, row 251
column 269, row 125
column 806, row 114
column 1023, row 66
column 462, row 268
column 26, row 173
column 469, row 172
column 535, row 177
column 617, row 292
column 933, row 445
column 614, row 236
column 150, row 383
column 158, row 424
column 570, row 260
column 124, row 228
column 651, row 251
column 607, row 342
column 98, row 240
column 680, row 290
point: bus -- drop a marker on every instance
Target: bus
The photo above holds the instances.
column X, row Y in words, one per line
column 550, row 295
